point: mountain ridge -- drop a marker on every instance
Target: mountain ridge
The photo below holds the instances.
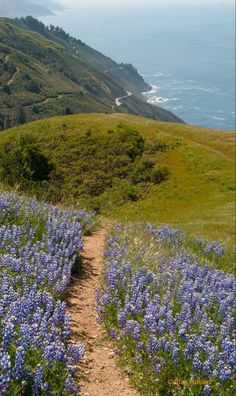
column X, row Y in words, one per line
column 120, row 72
column 46, row 72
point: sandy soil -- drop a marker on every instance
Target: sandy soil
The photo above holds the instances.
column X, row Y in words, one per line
column 101, row 375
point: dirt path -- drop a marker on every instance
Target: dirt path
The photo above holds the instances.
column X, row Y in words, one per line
column 12, row 78
column 51, row 98
column 102, row 376
column 212, row 150
column 119, row 100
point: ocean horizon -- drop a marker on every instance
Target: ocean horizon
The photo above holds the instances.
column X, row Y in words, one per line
column 187, row 55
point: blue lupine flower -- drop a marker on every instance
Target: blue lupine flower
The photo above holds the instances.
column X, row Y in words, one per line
column 206, row 390
column 70, row 385
column 182, row 310
column 20, row 362
column 5, row 361
column 38, row 379
column 39, row 244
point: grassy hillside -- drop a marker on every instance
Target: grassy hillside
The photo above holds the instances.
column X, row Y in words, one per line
column 124, row 74
column 197, row 196
column 40, row 76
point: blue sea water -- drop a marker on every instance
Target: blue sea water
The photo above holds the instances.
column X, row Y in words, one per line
column 186, row 54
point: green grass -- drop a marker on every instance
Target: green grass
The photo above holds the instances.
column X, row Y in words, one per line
column 199, row 194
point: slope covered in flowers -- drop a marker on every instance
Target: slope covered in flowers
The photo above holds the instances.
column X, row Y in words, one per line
column 39, row 246
column 169, row 310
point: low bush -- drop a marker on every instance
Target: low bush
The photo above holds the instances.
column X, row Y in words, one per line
column 23, row 163
column 101, row 169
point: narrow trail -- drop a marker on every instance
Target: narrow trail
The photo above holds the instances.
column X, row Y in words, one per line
column 51, row 98
column 101, row 375
column 12, row 78
column 212, row 150
column 119, row 100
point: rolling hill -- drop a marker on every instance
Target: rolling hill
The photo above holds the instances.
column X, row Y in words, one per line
column 197, row 195
column 44, row 72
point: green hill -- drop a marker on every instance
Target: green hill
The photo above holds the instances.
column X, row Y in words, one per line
column 123, row 74
column 131, row 168
column 44, row 72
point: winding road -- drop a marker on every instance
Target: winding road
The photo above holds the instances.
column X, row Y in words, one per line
column 119, row 100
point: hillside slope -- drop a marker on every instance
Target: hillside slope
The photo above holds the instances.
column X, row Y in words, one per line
column 197, row 196
column 124, row 74
column 40, row 77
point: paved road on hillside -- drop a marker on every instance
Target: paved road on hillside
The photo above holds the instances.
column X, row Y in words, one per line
column 119, row 100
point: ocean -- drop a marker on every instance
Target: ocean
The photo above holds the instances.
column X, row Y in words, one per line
column 186, row 54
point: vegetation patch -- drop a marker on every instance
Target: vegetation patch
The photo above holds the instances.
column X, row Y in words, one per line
column 169, row 311
column 39, row 250
column 198, row 195
column 99, row 170
column 45, row 72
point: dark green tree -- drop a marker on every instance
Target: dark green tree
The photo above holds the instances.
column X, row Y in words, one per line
column 34, row 87
column 23, row 163
column 7, row 122
column 1, row 122
column 6, row 89
column 21, row 116
column 67, row 111
column 35, row 109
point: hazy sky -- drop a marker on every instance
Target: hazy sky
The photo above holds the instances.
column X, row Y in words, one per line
column 147, row 2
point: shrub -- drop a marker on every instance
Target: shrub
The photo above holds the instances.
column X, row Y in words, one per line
column 35, row 109
column 21, row 117
column 34, row 87
column 23, row 162
column 67, row 111
column 156, row 146
column 160, row 174
column 143, row 172
column 6, row 89
column 98, row 168
column 124, row 192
